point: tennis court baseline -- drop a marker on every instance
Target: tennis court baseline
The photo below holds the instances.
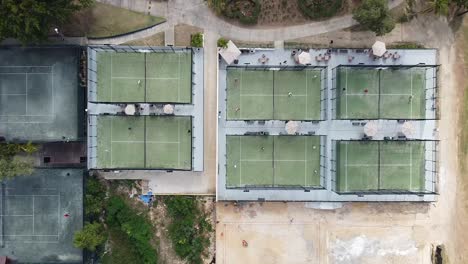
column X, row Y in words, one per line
column 373, row 93
column 289, row 94
column 380, row 166
column 157, row 142
column 273, row 161
column 144, row 77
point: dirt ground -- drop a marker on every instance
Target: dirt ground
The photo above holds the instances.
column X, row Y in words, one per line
column 183, row 33
column 362, row 232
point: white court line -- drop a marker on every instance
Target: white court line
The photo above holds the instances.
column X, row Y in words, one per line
column 346, row 98
column 276, row 95
column 14, row 94
column 16, row 215
column 346, row 157
column 252, row 160
column 26, row 101
column 111, row 81
column 240, row 95
column 111, row 138
column 53, row 90
column 147, row 78
column 31, row 235
column 257, row 95
column 29, row 66
column 142, row 141
column 305, row 158
column 18, row 73
column 178, row 81
column 10, row 122
column 33, row 215
column 307, row 88
column 411, row 102
column 178, row 138
column 367, row 94
column 373, row 165
column 411, row 167
column 240, row 163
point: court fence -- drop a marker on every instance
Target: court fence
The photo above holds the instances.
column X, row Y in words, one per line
column 431, row 165
column 92, row 65
column 323, row 79
column 431, row 89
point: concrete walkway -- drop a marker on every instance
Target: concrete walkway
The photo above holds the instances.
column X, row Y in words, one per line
column 197, row 13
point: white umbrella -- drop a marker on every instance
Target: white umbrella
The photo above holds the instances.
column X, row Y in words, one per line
column 168, row 109
column 407, row 129
column 371, row 129
column 303, row 58
column 378, row 49
column 230, row 53
column 130, row 109
column 292, row 127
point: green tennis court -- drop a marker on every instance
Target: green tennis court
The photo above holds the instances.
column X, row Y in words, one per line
column 373, row 93
column 273, row 161
column 144, row 77
column 380, row 166
column 144, row 142
column 271, row 94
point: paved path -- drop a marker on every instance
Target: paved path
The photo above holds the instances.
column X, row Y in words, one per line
column 196, row 13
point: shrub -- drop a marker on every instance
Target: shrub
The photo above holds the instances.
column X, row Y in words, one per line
column 137, row 227
column 375, row 16
column 246, row 11
column 122, row 249
column 197, row 40
column 188, row 228
column 94, row 200
column 222, row 43
column 90, row 237
column 319, row 8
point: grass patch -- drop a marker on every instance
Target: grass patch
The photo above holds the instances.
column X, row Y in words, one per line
column 316, row 9
column 463, row 155
column 405, row 45
column 102, row 20
column 188, row 229
column 154, row 40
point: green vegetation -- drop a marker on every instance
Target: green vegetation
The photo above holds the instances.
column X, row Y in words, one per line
column 463, row 153
column 197, row 40
column 188, row 229
column 102, row 20
column 222, row 43
column 319, row 8
column 136, row 226
column 90, row 237
column 405, row 45
column 16, row 160
column 443, row 7
column 30, row 21
column 126, row 230
column 375, row 16
column 245, row 11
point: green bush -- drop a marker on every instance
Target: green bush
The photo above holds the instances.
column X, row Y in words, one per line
column 90, row 237
column 94, row 200
column 197, row 40
column 122, row 249
column 222, row 43
column 375, row 16
column 316, row 9
column 246, row 11
column 136, row 226
column 188, row 229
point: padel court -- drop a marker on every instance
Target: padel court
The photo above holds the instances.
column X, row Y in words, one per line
column 39, row 215
column 287, row 94
column 273, row 161
column 367, row 166
column 380, row 93
column 153, row 77
column 139, row 142
column 39, row 94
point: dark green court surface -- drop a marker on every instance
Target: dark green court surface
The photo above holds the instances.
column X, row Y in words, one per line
column 156, row 142
column 144, row 77
column 269, row 94
column 273, row 161
column 33, row 208
column 380, row 166
column 40, row 99
column 373, row 93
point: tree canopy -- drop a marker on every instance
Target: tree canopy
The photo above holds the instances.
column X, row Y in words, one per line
column 375, row 16
column 30, row 21
column 90, row 237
